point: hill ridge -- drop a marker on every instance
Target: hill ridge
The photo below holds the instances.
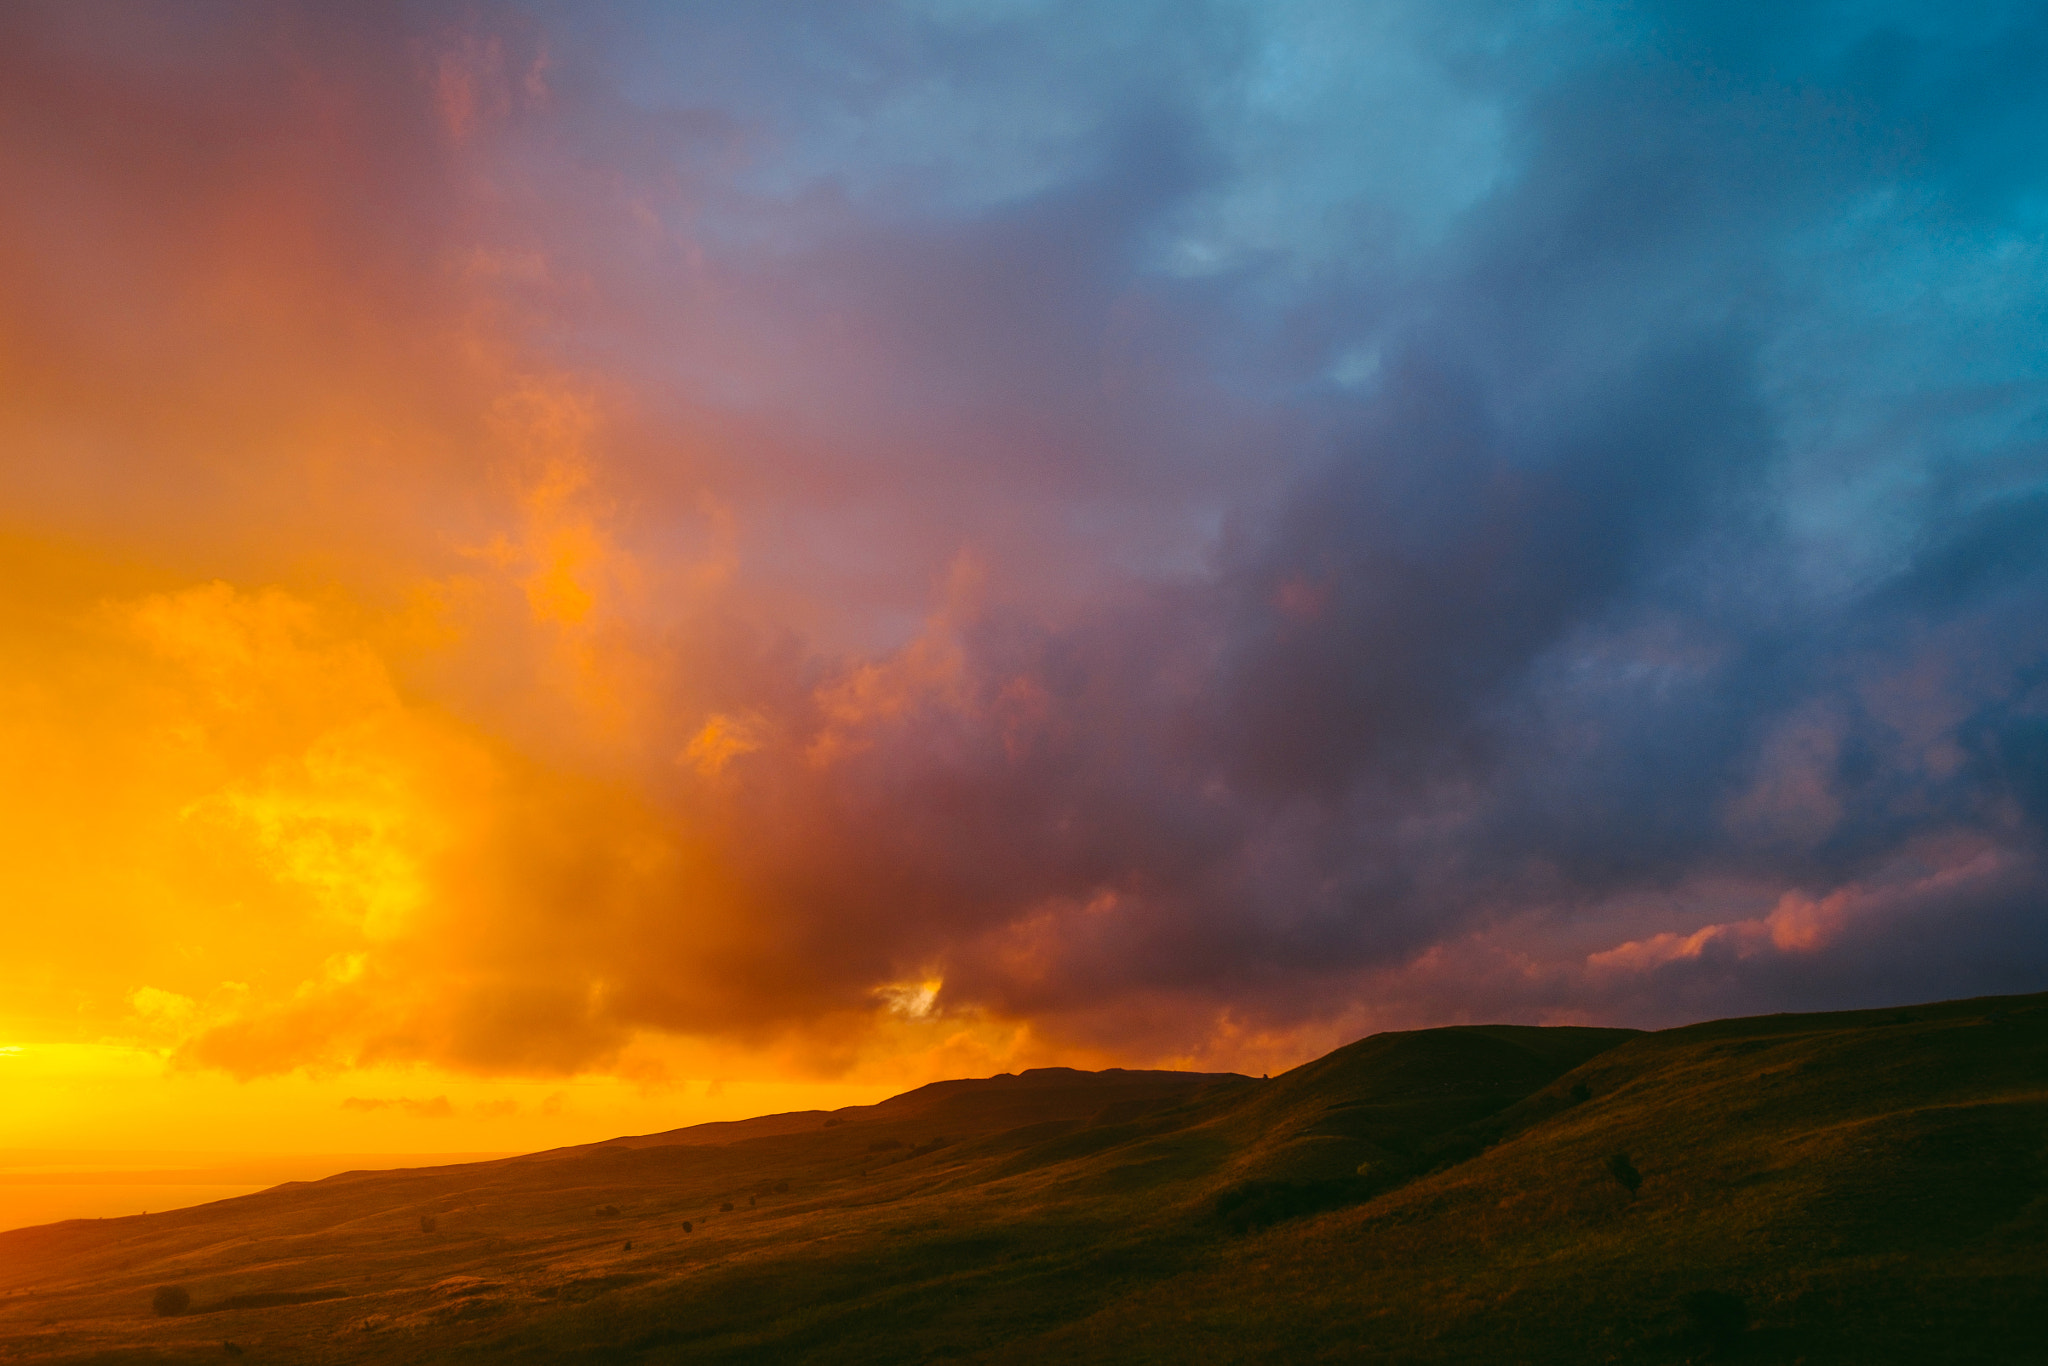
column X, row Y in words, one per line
column 1860, row 1185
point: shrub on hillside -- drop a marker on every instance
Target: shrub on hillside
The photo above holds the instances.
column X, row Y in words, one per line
column 607, row 1211
column 725, row 1207
column 1251, row 1205
column 1452, row 1149
column 1624, row 1171
column 427, row 1223
column 1720, row 1317
column 170, row 1300
column 1581, row 1093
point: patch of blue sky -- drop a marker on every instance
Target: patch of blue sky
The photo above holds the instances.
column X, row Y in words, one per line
column 1347, row 146
column 1916, row 357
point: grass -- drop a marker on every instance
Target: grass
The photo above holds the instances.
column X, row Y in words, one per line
column 1824, row 1188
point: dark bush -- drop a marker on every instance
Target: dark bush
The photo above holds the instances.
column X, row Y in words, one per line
column 1581, row 1093
column 688, row 1227
column 1253, row 1205
column 782, row 1187
column 231, row 1348
column 169, row 1301
column 1624, row 1171
column 628, row 1247
column 427, row 1223
column 1451, row 1150
column 725, row 1207
column 1720, row 1317
column 607, row 1211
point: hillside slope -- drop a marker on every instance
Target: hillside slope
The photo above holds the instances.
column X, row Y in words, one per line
column 1859, row 1187
column 1871, row 1187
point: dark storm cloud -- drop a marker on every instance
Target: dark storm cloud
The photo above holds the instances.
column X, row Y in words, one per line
column 1654, row 549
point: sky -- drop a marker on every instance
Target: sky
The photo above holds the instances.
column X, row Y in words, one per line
column 569, row 569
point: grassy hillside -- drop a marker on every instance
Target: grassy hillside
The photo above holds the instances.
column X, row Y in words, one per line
column 1827, row 1188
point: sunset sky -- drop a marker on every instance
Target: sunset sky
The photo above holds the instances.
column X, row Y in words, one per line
column 570, row 569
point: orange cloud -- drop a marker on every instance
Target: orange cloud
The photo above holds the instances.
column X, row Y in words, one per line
column 723, row 739
column 437, row 1108
column 928, row 671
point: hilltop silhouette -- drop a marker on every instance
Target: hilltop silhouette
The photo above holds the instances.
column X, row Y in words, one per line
column 1829, row 1188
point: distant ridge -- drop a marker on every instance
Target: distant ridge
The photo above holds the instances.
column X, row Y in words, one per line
column 1055, row 1092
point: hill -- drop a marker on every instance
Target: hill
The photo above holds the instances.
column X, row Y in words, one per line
column 1822, row 1188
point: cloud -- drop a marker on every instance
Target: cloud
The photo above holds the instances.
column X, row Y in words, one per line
column 827, row 536
column 436, row 1108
